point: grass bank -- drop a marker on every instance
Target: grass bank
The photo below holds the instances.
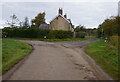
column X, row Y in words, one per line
column 12, row 52
column 104, row 57
column 0, row 56
column 67, row 39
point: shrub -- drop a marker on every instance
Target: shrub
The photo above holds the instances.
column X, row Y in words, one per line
column 113, row 42
column 80, row 35
column 51, row 35
column 63, row 34
column 110, row 26
column 41, row 33
column 59, row 34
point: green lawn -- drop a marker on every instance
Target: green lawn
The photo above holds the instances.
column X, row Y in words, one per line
column 106, row 58
column 12, row 52
column 67, row 39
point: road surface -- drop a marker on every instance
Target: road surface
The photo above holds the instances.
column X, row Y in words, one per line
column 56, row 61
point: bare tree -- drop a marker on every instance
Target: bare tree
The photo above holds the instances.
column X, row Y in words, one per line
column 20, row 24
column 26, row 23
column 14, row 21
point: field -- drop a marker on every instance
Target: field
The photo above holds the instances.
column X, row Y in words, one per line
column 105, row 55
column 12, row 52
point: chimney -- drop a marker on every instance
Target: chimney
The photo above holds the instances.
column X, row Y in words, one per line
column 65, row 15
column 60, row 11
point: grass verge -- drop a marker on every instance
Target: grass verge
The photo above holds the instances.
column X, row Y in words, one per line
column 67, row 39
column 12, row 52
column 104, row 57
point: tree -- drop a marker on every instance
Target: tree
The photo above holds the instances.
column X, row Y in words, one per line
column 14, row 21
column 26, row 23
column 77, row 29
column 39, row 19
column 99, row 31
column 20, row 24
column 111, row 26
column 80, row 28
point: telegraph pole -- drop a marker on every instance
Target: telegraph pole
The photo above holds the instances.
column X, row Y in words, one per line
column 101, row 31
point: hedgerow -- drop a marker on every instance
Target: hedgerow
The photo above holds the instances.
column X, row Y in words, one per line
column 36, row 33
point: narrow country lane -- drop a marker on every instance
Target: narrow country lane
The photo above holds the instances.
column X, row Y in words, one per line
column 56, row 61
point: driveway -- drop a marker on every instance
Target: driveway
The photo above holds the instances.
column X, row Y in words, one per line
column 57, row 61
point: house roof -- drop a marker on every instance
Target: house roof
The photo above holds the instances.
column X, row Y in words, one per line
column 44, row 26
column 68, row 20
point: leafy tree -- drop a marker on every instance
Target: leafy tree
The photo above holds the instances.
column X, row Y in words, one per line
column 13, row 22
column 77, row 29
column 26, row 23
column 99, row 31
column 80, row 28
column 111, row 26
column 39, row 19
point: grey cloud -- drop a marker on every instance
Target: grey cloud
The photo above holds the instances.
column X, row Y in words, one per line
column 84, row 13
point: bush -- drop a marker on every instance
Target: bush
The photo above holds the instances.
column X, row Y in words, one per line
column 36, row 33
column 113, row 42
column 51, row 35
column 80, row 35
column 59, row 34
column 42, row 33
column 110, row 26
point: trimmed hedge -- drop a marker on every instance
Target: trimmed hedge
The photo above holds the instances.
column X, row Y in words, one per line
column 36, row 33
column 59, row 34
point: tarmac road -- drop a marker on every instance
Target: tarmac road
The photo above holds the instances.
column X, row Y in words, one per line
column 56, row 61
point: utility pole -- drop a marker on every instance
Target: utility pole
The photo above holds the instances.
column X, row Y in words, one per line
column 101, row 31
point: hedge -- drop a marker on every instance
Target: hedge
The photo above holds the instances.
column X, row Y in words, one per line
column 80, row 34
column 59, row 34
column 36, row 33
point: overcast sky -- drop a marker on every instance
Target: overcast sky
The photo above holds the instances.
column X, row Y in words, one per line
column 89, row 14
